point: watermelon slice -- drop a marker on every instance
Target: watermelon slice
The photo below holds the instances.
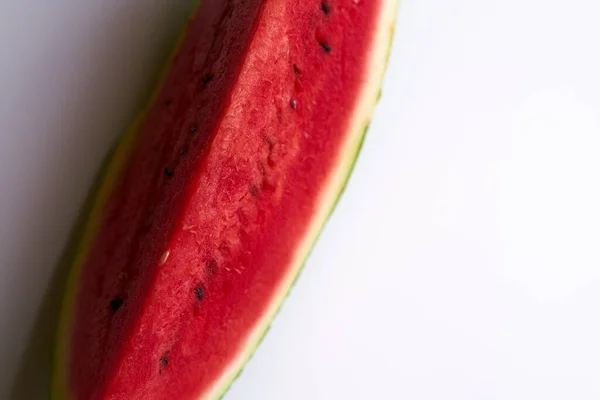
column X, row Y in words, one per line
column 215, row 197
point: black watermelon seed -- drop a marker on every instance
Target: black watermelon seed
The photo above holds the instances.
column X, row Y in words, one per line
column 199, row 293
column 168, row 103
column 268, row 142
column 254, row 191
column 168, row 172
column 293, row 104
column 194, row 128
column 325, row 47
column 296, row 70
column 164, row 361
column 325, row 8
column 207, row 78
column 211, row 266
column 116, row 303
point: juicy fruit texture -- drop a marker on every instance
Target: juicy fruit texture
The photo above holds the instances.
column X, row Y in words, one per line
column 232, row 173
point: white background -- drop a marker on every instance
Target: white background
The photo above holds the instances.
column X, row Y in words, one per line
column 462, row 262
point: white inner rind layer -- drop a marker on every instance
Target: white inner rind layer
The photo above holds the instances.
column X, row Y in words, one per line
column 367, row 97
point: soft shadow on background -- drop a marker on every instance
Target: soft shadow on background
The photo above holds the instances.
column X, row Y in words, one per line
column 75, row 82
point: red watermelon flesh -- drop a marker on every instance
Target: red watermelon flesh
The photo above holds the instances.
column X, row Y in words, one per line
column 232, row 172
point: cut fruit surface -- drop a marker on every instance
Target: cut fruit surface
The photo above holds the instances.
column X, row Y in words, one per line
column 215, row 197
